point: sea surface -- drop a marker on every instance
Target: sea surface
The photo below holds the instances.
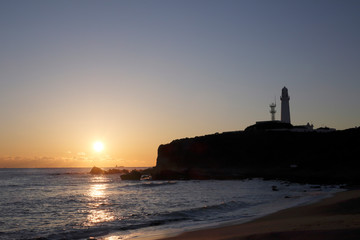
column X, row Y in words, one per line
column 70, row 203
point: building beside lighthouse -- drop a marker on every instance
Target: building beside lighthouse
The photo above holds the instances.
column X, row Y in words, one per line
column 285, row 107
column 272, row 110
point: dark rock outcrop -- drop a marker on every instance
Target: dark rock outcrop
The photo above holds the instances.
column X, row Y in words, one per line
column 96, row 170
column 257, row 152
column 133, row 175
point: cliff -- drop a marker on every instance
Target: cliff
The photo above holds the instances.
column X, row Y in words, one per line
column 283, row 154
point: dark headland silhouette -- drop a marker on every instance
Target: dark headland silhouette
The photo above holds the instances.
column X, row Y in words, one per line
column 315, row 156
column 267, row 149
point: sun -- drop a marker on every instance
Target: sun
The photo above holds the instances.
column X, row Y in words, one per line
column 98, row 146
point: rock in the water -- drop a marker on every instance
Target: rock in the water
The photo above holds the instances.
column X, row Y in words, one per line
column 133, row 175
column 96, row 170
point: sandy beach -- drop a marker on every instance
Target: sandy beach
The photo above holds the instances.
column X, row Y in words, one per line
column 335, row 218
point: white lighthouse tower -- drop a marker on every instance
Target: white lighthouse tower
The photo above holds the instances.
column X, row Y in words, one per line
column 285, row 107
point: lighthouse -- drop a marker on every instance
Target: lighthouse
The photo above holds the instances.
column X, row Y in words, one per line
column 285, row 107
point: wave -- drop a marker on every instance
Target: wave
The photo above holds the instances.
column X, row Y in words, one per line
column 205, row 211
column 150, row 184
column 158, row 219
column 157, row 184
column 103, row 230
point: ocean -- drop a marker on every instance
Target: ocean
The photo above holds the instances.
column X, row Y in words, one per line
column 70, row 203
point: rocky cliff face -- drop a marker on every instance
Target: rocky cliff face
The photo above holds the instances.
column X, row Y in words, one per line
column 274, row 154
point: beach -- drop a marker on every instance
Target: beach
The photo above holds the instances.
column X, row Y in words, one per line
column 334, row 218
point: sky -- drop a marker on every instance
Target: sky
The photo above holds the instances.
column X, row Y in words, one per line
column 136, row 74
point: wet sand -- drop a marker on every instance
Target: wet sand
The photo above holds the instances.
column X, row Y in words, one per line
column 335, row 218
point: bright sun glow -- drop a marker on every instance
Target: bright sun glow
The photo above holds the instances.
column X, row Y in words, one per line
column 98, row 146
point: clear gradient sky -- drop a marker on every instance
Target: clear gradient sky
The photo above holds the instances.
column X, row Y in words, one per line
column 136, row 74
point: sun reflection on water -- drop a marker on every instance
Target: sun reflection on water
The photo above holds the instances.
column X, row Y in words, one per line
column 97, row 191
column 97, row 201
column 99, row 216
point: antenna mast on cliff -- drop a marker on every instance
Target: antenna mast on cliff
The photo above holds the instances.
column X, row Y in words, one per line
column 272, row 110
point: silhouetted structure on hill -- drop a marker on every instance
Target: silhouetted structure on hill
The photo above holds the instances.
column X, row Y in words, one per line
column 272, row 110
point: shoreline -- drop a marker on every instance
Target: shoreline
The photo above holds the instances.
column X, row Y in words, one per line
column 336, row 217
